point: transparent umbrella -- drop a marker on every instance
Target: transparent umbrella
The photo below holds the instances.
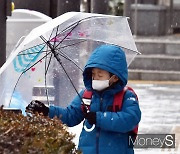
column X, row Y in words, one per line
column 47, row 64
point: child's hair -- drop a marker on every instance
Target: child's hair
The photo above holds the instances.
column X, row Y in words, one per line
column 111, row 74
column 119, row 80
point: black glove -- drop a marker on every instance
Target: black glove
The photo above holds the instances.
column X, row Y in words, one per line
column 37, row 106
column 91, row 117
column 84, row 109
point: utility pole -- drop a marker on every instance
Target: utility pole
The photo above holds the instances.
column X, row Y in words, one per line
column 5, row 10
column 127, row 7
column 2, row 32
column 89, row 6
column 100, row 6
column 68, row 6
column 171, row 6
column 53, row 8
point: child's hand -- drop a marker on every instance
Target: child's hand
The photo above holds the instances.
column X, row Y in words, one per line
column 91, row 117
column 37, row 106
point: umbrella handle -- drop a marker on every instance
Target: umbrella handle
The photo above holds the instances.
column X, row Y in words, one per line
column 85, row 127
column 89, row 129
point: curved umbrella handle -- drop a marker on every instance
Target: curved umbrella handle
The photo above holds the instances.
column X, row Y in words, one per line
column 89, row 129
column 85, row 127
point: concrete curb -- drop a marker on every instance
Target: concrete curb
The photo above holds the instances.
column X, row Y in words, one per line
column 154, row 75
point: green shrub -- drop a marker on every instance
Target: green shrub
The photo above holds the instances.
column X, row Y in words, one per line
column 34, row 134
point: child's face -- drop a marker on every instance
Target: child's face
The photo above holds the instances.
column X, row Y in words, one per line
column 99, row 74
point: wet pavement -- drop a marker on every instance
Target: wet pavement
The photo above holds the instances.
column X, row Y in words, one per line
column 160, row 106
column 159, row 103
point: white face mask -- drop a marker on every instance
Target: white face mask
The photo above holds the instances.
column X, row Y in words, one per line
column 100, row 84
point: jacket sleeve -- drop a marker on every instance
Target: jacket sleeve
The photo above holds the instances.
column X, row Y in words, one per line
column 124, row 120
column 72, row 115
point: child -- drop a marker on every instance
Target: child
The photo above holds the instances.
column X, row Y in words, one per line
column 105, row 74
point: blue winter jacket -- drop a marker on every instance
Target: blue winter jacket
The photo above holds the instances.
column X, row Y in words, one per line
column 112, row 128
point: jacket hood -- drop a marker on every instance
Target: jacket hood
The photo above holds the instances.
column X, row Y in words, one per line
column 110, row 58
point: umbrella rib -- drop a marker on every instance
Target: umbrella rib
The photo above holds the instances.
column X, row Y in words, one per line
column 63, row 54
column 77, row 22
column 66, row 57
column 59, row 61
column 36, row 62
column 75, row 25
column 15, row 88
column 73, row 44
column 46, row 70
column 56, row 53
column 21, row 52
column 23, row 73
column 56, row 36
column 48, row 64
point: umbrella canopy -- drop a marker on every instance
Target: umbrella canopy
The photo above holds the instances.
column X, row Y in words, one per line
column 47, row 64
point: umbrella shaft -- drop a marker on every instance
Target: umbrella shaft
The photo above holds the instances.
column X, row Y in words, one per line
column 59, row 61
